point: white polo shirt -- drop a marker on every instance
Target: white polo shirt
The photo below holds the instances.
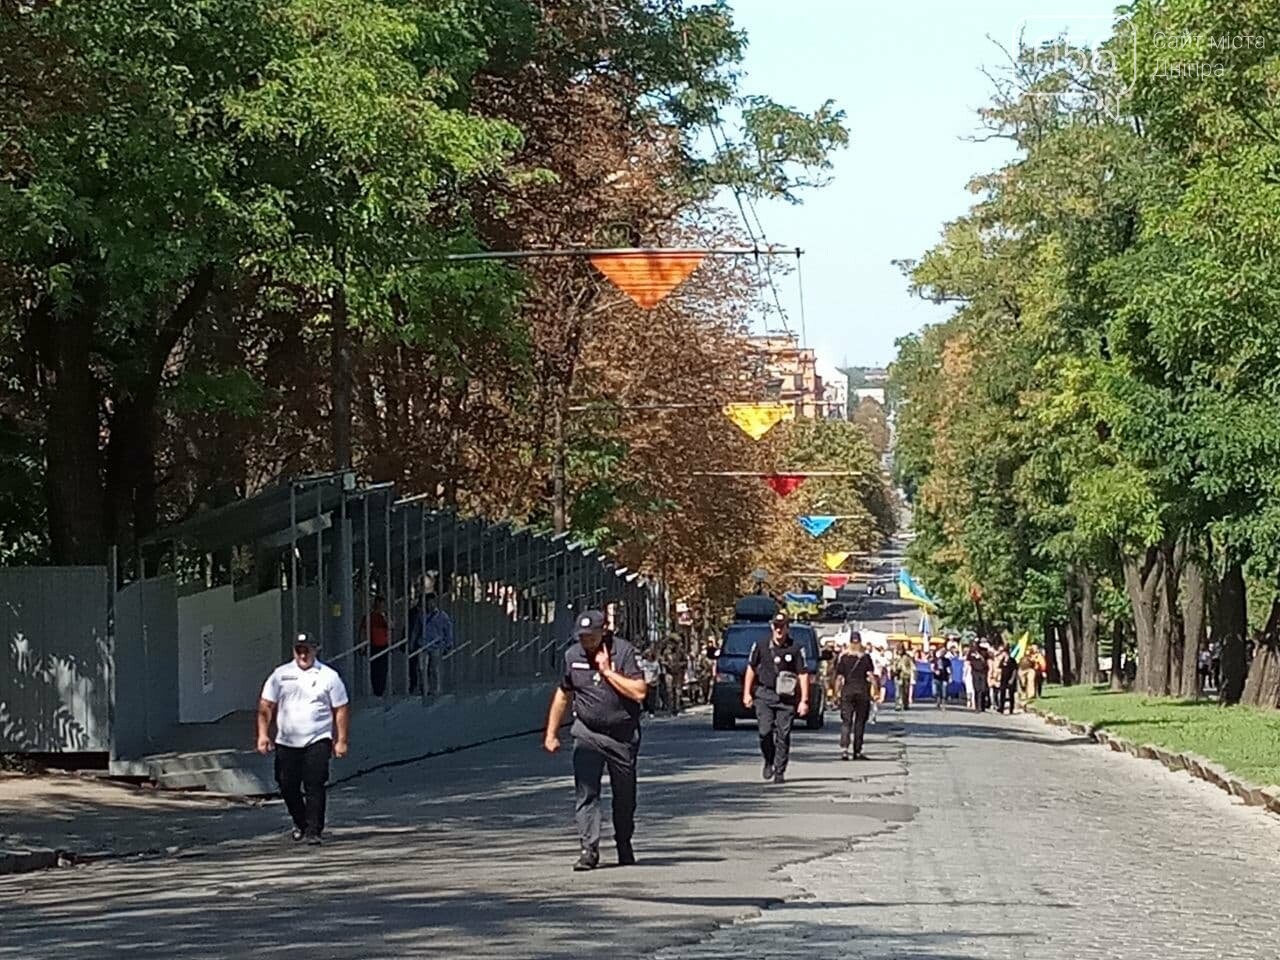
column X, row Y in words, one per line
column 305, row 702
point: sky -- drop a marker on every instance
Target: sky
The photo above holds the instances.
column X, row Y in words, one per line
column 908, row 75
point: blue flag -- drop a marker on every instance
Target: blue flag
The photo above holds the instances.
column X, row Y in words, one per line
column 817, row 524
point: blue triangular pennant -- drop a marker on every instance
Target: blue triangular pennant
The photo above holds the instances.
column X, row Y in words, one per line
column 817, row 525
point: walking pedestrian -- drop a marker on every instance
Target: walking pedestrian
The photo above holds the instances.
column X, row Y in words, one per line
column 430, row 638
column 968, row 684
column 978, row 668
column 307, row 702
column 904, row 675
column 1008, row 682
column 1027, row 677
column 941, row 664
column 603, row 682
column 777, row 685
column 378, row 629
column 855, row 674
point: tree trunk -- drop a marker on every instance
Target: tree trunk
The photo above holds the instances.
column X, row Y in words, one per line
column 1195, row 637
column 1117, row 655
column 559, row 511
column 1166, row 658
column 1262, row 688
column 1075, row 630
column 1087, row 658
column 340, row 424
column 73, row 478
column 1051, row 653
column 1064, row 650
column 1230, row 626
column 1141, row 581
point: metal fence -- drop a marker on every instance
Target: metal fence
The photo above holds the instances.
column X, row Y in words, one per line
column 128, row 657
column 55, row 670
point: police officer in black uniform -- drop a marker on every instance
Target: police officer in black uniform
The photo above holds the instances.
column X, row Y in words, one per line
column 778, row 686
column 606, row 686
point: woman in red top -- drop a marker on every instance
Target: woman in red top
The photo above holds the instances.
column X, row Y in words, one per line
column 378, row 630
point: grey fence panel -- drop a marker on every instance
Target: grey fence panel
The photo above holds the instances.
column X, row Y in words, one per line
column 55, row 668
column 146, row 661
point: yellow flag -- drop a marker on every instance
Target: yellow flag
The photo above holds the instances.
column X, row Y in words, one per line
column 757, row 419
column 1020, row 647
column 835, row 561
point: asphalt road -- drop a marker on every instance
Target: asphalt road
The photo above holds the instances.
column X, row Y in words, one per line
column 965, row 838
column 469, row 855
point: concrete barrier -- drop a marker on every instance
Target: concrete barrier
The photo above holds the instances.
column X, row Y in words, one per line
column 383, row 733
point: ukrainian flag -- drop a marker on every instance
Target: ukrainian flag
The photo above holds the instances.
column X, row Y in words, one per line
column 908, row 589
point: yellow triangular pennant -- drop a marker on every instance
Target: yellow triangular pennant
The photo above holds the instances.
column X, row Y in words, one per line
column 835, row 561
column 757, row 419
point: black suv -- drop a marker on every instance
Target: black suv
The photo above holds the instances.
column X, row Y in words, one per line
column 750, row 624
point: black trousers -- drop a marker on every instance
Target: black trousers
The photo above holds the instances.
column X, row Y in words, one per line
column 302, row 773
column 592, row 753
column 981, row 693
column 1007, row 694
column 774, row 718
column 854, row 710
column 378, row 671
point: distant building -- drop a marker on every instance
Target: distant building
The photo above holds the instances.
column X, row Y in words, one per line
column 866, row 383
column 791, row 373
column 835, row 391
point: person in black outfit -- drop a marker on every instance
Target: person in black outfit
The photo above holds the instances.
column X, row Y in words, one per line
column 1008, row 682
column 777, row 685
column 606, row 686
column 855, row 673
column 978, row 667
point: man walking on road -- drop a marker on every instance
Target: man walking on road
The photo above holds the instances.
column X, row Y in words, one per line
column 308, row 702
column 855, row 674
column 904, row 675
column 605, row 685
column 777, row 685
column 941, row 664
column 978, row 666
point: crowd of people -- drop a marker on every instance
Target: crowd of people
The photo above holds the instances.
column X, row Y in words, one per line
column 989, row 674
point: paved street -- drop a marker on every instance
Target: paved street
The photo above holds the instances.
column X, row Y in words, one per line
column 964, row 837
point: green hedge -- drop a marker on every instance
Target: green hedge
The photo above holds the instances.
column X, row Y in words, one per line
column 1244, row 740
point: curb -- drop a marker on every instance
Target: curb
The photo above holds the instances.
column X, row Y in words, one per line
column 1198, row 766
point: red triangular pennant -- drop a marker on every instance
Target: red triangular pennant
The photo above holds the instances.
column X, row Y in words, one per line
column 784, row 484
column 646, row 276
column 837, row 580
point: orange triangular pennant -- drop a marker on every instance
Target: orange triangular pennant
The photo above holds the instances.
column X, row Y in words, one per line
column 646, row 276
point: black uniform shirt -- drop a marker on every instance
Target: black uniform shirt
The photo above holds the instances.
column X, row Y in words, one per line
column 768, row 659
column 855, row 668
column 978, row 663
column 596, row 704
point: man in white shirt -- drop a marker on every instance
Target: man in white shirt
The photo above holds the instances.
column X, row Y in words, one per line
column 308, row 702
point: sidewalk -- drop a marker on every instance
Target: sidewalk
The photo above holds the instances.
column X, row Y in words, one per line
column 87, row 819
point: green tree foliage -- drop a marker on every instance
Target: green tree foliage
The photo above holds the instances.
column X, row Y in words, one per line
column 1112, row 358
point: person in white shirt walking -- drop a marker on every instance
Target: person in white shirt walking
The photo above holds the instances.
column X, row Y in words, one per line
column 308, row 702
